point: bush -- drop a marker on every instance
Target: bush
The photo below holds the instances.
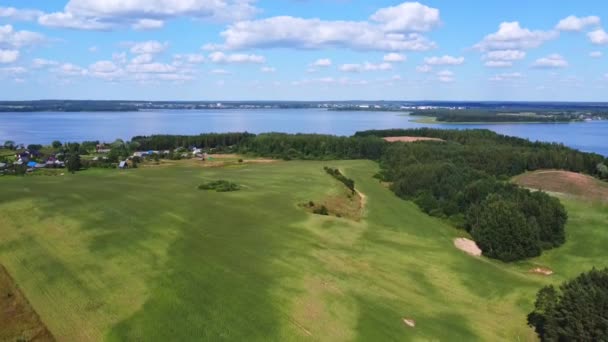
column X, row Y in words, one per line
column 220, row 186
column 577, row 311
column 321, row 211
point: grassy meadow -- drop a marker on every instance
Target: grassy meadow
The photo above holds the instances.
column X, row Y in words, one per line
column 143, row 255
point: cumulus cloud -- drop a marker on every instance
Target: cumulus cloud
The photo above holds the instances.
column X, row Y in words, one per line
column 148, row 47
column 148, row 24
column 222, row 58
column 366, row 67
column 16, row 14
column 39, row 63
column 394, row 58
column 596, row 54
column 189, row 58
column 511, row 36
column 69, row 69
column 444, row 60
column 106, row 70
column 502, row 58
column 15, row 70
column 424, row 68
column 445, row 76
column 142, row 59
column 321, row 63
column 598, row 37
column 220, row 72
column 268, row 69
column 143, row 14
column 9, row 37
column 577, row 24
column 506, row 77
column 407, row 17
column 8, row 56
column 551, row 62
column 395, row 28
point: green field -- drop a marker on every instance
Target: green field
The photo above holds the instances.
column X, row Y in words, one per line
column 143, row 255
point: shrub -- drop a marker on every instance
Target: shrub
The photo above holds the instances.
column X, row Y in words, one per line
column 321, row 211
column 220, row 186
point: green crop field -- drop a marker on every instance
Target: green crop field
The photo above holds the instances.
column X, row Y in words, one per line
column 143, row 255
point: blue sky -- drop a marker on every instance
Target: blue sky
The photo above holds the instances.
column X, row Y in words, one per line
column 304, row 50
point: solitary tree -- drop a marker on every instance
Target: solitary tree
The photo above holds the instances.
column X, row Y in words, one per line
column 602, row 169
column 9, row 144
column 56, row 144
column 74, row 162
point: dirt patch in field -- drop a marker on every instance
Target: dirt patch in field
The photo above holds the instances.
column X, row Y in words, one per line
column 410, row 139
column 349, row 206
column 565, row 182
column 468, row 246
column 542, row 271
column 18, row 320
column 409, row 322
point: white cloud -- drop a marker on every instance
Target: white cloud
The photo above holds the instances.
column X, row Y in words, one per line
column 189, row 58
column 106, row 70
column 9, row 37
column 220, row 72
column 268, row 69
column 321, row 63
column 407, row 17
column 120, row 58
column 19, row 14
column 511, row 36
column 505, row 55
column 39, row 63
column 142, row 59
column 291, row 32
column 148, row 24
column 69, row 69
column 151, row 68
column 577, row 24
column 502, row 58
column 444, row 60
column 498, row 64
column 506, row 77
column 598, row 37
column 70, row 21
column 445, row 76
column 596, row 54
column 13, row 70
column 220, row 57
column 551, row 62
column 93, row 49
column 149, row 47
column 143, row 14
column 394, row 58
column 8, row 56
column 424, row 68
column 366, row 67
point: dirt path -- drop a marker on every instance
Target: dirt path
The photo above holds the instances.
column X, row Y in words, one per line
column 18, row 320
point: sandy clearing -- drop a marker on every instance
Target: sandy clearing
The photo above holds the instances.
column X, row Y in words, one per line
column 409, row 322
column 542, row 271
column 410, row 139
column 468, row 246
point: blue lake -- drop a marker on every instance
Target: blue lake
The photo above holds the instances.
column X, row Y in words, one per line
column 43, row 128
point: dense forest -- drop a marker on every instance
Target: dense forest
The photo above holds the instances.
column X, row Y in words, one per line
column 576, row 311
column 478, row 115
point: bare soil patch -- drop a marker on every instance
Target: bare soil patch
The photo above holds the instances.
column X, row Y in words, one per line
column 468, row 246
column 565, row 182
column 18, row 320
column 542, row 271
column 410, row 139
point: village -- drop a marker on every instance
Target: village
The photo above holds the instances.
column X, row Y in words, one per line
column 17, row 160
